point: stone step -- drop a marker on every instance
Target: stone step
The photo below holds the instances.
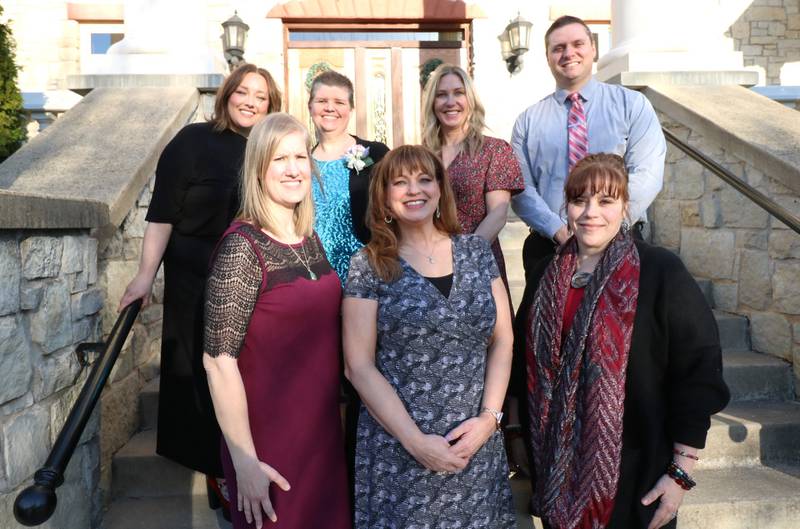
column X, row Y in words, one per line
column 139, row 472
column 755, row 376
column 742, row 498
column 734, row 498
column 513, row 236
column 753, row 433
column 148, row 405
column 166, row 512
column 733, row 331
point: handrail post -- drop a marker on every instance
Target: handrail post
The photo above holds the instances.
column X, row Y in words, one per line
column 35, row 504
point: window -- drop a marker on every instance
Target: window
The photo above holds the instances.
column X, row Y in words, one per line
column 100, row 42
column 384, row 36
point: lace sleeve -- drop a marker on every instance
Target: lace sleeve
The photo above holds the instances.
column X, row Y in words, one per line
column 231, row 293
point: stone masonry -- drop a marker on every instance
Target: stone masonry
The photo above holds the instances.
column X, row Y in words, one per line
column 751, row 259
column 58, row 289
column 768, row 34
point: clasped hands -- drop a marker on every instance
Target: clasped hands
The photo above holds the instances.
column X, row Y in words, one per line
column 452, row 452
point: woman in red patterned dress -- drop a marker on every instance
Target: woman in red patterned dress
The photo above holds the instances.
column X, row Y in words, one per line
column 483, row 170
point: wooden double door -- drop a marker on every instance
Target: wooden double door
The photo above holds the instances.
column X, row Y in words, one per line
column 386, row 76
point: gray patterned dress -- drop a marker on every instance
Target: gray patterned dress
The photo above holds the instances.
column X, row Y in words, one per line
column 432, row 350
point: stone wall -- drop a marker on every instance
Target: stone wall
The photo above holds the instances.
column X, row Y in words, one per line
column 768, row 34
column 751, row 259
column 58, row 289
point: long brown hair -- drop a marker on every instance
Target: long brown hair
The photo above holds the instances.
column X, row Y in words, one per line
column 601, row 172
column 262, row 143
column 221, row 118
column 383, row 245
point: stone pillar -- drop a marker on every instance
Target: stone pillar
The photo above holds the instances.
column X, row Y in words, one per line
column 163, row 37
column 679, row 41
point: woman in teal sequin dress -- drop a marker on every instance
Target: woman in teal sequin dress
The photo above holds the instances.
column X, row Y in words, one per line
column 344, row 163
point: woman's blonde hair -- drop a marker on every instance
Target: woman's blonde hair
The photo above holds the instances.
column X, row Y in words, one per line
column 383, row 244
column 262, row 143
column 432, row 129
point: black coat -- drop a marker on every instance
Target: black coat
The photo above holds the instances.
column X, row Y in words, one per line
column 359, row 188
column 673, row 380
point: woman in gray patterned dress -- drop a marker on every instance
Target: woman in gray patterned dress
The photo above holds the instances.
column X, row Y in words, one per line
column 427, row 340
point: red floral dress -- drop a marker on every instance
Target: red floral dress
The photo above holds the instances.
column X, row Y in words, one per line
column 493, row 168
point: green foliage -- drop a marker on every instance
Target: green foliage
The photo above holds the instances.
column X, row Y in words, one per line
column 12, row 121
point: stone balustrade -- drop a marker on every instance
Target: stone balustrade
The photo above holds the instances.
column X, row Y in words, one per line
column 72, row 208
column 751, row 259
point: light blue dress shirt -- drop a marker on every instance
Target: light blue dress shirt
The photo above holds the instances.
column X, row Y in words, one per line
column 620, row 121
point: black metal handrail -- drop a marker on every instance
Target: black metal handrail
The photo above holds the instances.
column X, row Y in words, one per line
column 36, row 504
column 760, row 199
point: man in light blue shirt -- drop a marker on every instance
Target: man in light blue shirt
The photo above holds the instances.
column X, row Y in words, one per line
column 619, row 120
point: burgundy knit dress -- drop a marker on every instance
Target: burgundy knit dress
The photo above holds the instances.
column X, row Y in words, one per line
column 283, row 327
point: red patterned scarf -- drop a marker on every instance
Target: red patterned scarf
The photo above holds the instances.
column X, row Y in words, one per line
column 576, row 390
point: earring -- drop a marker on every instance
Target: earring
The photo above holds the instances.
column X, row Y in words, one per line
column 388, row 219
column 625, row 227
column 438, row 212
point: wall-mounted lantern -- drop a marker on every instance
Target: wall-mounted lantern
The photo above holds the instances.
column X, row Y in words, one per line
column 514, row 42
column 234, row 34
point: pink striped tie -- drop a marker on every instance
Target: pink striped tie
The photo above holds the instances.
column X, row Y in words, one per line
column 577, row 137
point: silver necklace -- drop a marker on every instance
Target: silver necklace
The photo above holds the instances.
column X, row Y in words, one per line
column 429, row 257
column 311, row 275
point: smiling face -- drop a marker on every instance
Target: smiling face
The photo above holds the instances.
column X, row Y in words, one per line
column 330, row 109
column 249, row 102
column 450, row 104
column 413, row 197
column 570, row 55
column 287, row 180
column 595, row 218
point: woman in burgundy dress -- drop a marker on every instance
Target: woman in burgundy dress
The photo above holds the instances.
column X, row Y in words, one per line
column 483, row 171
column 273, row 369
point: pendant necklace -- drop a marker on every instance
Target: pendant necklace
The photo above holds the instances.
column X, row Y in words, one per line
column 311, row 275
column 429, row 257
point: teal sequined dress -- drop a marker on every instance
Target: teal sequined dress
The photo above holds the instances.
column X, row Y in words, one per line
column 333, row 219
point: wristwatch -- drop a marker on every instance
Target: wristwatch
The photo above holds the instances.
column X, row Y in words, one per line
column 498, row 415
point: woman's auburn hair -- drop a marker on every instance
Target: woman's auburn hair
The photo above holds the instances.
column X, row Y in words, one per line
column 221, row 118
column 382, row 249
column 601, row 172
column 476, row 122
column 262, row 143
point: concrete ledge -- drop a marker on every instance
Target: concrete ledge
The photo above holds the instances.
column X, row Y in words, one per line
column 759, row 131
column 83, row 84
column 87, row 169
column 642, row 79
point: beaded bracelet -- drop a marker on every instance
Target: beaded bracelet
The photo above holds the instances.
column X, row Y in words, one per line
column 680, row 476
column 684, row 454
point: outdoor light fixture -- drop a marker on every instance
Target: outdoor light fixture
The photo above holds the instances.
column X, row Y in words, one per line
column 234, row 33
column 514, row 43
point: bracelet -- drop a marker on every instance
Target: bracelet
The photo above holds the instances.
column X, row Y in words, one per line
column 498, row 415
column 684, row 454
column 680, row 476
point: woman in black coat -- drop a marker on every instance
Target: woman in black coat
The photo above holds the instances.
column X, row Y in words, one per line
column 624, row 367
column 195, row 197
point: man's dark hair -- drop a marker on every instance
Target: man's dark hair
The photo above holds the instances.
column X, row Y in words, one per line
column 562, row 21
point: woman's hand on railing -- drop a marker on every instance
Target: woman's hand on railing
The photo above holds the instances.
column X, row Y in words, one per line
column 140, row 287
column 252, row 481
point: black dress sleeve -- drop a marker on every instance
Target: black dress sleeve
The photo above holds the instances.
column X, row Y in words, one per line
column 172, row 179
column 694, row 383
column 231, row 293
column 359, row 188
